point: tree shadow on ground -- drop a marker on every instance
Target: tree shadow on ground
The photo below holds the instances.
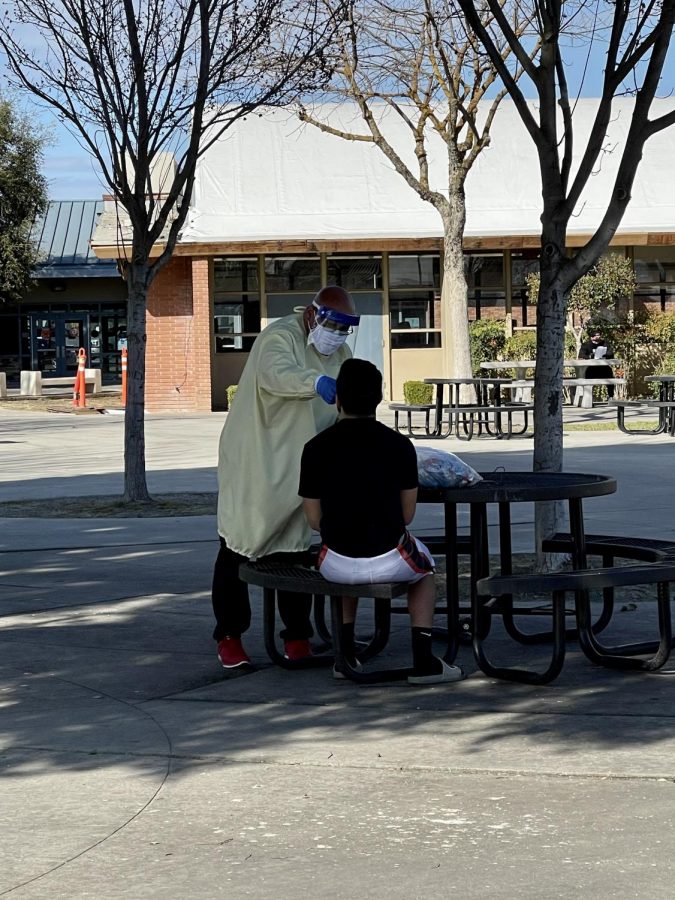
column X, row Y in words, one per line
column 98, row 668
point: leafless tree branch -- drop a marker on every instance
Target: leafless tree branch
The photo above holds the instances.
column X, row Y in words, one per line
column 135, row 79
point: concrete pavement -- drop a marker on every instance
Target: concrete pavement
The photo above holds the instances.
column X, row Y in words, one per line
column 132, row 766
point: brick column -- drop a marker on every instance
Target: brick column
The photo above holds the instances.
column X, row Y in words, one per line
column 178, row 354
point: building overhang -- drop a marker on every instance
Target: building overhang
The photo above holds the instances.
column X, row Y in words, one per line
column 384, row 245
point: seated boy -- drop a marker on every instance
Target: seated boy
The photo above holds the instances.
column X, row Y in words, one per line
column 358, row 481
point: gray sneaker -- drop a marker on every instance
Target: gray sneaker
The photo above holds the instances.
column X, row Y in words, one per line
column 449, row 673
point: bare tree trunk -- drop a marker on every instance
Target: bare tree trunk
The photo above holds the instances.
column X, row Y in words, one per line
column 454, row 292
column 135, row 484
column 548, row 444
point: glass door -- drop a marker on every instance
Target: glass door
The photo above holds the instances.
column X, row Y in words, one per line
column 45, row 356
column 56, row 340
column 73, row 339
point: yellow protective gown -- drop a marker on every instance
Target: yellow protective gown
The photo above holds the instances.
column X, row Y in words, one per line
column 274, row 413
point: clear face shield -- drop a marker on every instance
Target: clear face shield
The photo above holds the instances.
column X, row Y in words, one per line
column 331, row 329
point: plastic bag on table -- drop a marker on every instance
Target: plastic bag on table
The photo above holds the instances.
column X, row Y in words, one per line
column 440, row 469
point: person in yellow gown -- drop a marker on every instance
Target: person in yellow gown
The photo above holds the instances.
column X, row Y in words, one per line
column 286, row 395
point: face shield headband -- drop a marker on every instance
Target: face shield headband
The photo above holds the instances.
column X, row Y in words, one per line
column 332, row 320
column 331, row 329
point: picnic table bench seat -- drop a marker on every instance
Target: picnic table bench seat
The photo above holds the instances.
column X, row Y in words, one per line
column 568, row 381
column 612, row 546
column 409, row 409
column 583, row 387
column 465, row 419
column 471, row 419
column 495, row 597
column 666, row 409
column 274, row 576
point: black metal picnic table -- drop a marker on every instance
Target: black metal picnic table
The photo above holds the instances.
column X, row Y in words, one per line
column 504, row 489
column 666, row 385
column 486, row 412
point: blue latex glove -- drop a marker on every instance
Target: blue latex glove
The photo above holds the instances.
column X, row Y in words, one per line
column 325, row 388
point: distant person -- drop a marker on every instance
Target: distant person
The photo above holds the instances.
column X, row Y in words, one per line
column 358, row 481
column 286, row 395
column 598, row 348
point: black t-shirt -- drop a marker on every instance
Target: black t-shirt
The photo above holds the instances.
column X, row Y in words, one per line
column 587, row 350
column 357, row 468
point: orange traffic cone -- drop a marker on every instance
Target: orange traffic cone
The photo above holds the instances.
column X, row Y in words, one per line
column 124, row 376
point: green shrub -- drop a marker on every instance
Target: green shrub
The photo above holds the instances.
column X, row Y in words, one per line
column 521, row 345
column 661, row 327
column 667, row 364
column 417, row 392
column 230, row 391
column 595, row 296
column 487, row 338
column 659, row 338
column 570, row 345
column 641, row 355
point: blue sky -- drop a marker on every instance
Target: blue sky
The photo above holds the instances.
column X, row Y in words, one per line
column 73, row 175
column 71, row 172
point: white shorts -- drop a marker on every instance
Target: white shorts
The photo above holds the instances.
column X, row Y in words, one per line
column 410, row 561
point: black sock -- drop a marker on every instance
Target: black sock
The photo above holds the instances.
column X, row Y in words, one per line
column 348, row 642
column 424, row 661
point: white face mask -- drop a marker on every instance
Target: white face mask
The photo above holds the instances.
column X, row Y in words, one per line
column 325, row 340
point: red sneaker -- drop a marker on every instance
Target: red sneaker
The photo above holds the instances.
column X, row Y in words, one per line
column 299, row 649
column 231, row 653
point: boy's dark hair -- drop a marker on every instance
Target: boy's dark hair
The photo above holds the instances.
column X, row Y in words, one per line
column 359, row 387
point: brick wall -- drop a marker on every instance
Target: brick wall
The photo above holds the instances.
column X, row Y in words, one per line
column 178, row 357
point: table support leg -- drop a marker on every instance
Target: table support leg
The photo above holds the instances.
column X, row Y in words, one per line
column 322, row 630
column 527, row 676
column 624, row 656
column 580, row 561
column 480, row 568
column 451, row 582
column 437, row 430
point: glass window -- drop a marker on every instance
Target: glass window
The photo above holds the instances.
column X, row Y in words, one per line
column 654, row 265
column 236, row 304
column 355, row 273
column 486, row 305
column 235, row 275
column 415, row 319
column 236, row 324
column 415, row 271
column 292, row 273
column 485, row 281
column 522, row 263
column 485, row 271
column 401, row 340
column 279, row 305
column 413, row 311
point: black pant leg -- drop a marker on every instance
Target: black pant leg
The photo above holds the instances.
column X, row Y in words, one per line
column 229, row 595
column 294, row 609
column 601, row 372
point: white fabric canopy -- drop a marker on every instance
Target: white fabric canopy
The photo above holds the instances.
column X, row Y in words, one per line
column 272, row 177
